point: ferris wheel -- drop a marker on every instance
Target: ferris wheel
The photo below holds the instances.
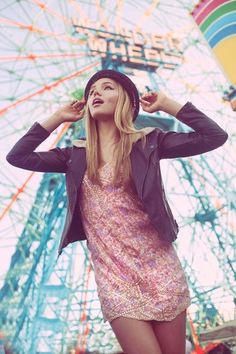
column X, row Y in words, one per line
column 49, row 49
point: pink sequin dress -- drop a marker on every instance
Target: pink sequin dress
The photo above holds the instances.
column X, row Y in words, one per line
column 137, row 275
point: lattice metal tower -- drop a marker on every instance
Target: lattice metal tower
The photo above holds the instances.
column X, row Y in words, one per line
column 49, row 305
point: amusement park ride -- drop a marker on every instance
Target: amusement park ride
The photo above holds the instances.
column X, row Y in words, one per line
column 47, row 304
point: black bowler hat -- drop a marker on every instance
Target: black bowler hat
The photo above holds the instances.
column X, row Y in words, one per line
column 122, row 79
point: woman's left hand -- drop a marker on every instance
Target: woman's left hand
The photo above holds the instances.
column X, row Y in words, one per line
column 153, row 101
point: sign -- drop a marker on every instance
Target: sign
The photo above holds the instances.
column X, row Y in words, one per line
column 134, row 48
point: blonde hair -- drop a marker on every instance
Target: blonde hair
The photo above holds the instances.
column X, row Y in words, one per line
column 123, row 118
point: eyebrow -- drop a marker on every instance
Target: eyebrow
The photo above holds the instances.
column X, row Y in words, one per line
column 104, row 83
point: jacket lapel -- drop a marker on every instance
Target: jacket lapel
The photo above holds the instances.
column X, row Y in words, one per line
column 140, row 159
column 78, row 165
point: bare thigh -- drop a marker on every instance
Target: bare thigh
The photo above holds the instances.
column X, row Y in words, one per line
column 171, row 335
column 135, row 336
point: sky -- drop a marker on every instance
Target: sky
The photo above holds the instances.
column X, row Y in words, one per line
column 198, row 79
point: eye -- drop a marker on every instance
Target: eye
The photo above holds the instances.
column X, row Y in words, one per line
column 91, row 92
column 109, row 87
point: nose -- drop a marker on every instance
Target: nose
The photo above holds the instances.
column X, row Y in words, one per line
column 96, row 92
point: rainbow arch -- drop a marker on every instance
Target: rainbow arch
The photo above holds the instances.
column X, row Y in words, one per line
column 216, row 19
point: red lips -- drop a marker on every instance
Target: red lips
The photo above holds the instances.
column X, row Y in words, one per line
column 97, row 101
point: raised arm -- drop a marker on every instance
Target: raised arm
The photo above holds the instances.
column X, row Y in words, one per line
column 22, row 154
column 206, row 135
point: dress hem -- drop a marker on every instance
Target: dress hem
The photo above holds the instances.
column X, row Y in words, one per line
column 162, row 317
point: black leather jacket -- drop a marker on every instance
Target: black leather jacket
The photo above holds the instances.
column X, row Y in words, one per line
column 145, row 162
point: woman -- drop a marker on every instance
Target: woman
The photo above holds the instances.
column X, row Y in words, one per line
column 117, row 202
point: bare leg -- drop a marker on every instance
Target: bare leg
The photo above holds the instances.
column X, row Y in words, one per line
column 171, row 335
column 135, row 336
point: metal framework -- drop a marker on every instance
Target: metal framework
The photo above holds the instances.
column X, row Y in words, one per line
column 49, row 305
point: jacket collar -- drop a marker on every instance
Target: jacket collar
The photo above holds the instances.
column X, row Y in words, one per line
column 79, row 143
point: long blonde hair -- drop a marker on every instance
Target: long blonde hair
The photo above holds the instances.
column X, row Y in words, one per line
column 123, row 118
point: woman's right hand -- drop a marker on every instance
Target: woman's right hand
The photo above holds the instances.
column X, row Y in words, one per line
column 71, row 112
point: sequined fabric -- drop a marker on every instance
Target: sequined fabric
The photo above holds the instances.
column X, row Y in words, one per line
column 137, row 275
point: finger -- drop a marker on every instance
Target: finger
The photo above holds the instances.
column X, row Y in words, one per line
column 75, row 102
column 146, row 98
column 145, row 102
column 79, row 103
column 149, row 94
column 77, row 107
column 145, row 95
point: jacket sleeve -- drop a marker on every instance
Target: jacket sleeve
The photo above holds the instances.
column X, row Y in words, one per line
column 23, row 155
column 206, row 135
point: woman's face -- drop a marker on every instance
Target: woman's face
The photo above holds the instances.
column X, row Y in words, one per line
column 102, row 99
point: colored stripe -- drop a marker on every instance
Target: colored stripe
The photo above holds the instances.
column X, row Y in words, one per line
column 198, row 8
column 223, row 33
column 220, row 23
column 221, row 11
column 224, row 52
column 208, row 9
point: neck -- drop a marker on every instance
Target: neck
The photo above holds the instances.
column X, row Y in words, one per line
column 108, row 133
